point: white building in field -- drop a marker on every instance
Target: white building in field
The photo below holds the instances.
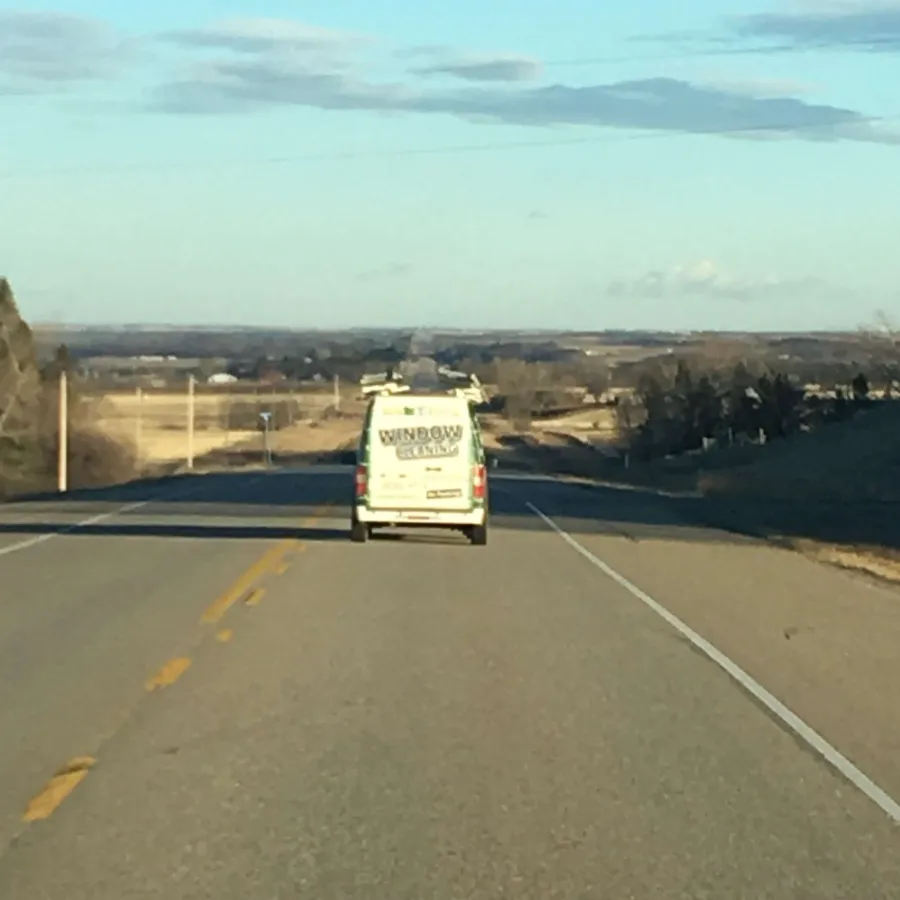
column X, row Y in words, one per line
column 221, row 378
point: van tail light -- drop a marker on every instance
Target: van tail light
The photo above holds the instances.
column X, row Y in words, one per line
column 479, row 482
column 362, row 481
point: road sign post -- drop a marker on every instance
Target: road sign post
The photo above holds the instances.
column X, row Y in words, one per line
column 138, row 427
column 190, row 423
column 266, row 418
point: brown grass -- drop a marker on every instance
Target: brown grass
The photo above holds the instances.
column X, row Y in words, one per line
column 318, row 437
column 595, row 425
column 878, row 562
column 155, row 422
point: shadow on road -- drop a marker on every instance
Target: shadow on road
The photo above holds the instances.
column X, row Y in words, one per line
column 850, row 522
column 313, row 503
column 272, row 504
column 121, row 527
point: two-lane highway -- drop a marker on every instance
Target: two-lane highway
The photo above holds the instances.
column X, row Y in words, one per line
column 272, row 712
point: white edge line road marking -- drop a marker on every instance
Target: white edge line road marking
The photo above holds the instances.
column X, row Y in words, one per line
column 84, row 523
column 93, row 520
column 187, row 494
column 811, row 737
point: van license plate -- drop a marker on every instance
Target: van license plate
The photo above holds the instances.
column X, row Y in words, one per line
column 447, row 494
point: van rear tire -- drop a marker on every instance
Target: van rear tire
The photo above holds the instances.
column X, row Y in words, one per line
column 359, row 532
column 478, row 535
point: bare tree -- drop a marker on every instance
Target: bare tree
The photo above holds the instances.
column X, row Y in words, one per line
column 882, row 342
column 595, row 376
column 630, row 416
column 518, row 381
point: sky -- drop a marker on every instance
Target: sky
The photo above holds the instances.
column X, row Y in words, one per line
column 710, row 164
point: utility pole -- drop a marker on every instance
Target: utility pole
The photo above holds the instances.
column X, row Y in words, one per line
column 63, row 480
column 337, row 393
column 138, row 426
column 190, row 427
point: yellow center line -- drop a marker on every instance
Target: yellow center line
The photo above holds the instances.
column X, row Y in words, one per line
column 244, row 583
column 271, row 560
column 58, row 788
column 254, row 598
column 169, row 673
column 64, row 782
column 317, row 514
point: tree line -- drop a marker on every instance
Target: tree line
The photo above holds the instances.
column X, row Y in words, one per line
column 681, row 408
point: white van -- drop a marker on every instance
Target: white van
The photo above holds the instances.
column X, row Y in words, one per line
column 421, row 463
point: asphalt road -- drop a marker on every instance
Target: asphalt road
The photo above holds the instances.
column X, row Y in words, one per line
column 245, row 705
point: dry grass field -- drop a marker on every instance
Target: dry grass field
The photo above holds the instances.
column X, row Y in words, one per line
column 594, row 427
column 839, row 466
column 155, row 422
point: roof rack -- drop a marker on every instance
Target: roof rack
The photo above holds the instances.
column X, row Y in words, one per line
column 448, row 381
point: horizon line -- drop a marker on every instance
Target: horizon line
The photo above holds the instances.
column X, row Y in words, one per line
column 49, row 325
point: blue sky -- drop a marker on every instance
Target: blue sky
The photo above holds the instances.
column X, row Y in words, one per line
column 514, row 164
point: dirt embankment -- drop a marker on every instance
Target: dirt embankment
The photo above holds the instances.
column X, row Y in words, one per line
column 833, row 493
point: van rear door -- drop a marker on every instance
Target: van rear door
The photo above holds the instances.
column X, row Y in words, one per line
column 420, row 454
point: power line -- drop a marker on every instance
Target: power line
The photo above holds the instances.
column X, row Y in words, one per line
column 881, row 44
column 785, row 128
column 660, row 56
column 665, row 56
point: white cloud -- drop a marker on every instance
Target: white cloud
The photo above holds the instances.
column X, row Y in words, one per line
column 759, row 87
column 244, row 65
column 866, row 25
column 43, row 51
column 282, row 42
column 264, row 81
column 260, row 35
column 510, row 67
column 706, row 279
column 862, row 26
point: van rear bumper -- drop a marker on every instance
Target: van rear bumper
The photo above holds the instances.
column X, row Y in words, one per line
column 412, row 517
